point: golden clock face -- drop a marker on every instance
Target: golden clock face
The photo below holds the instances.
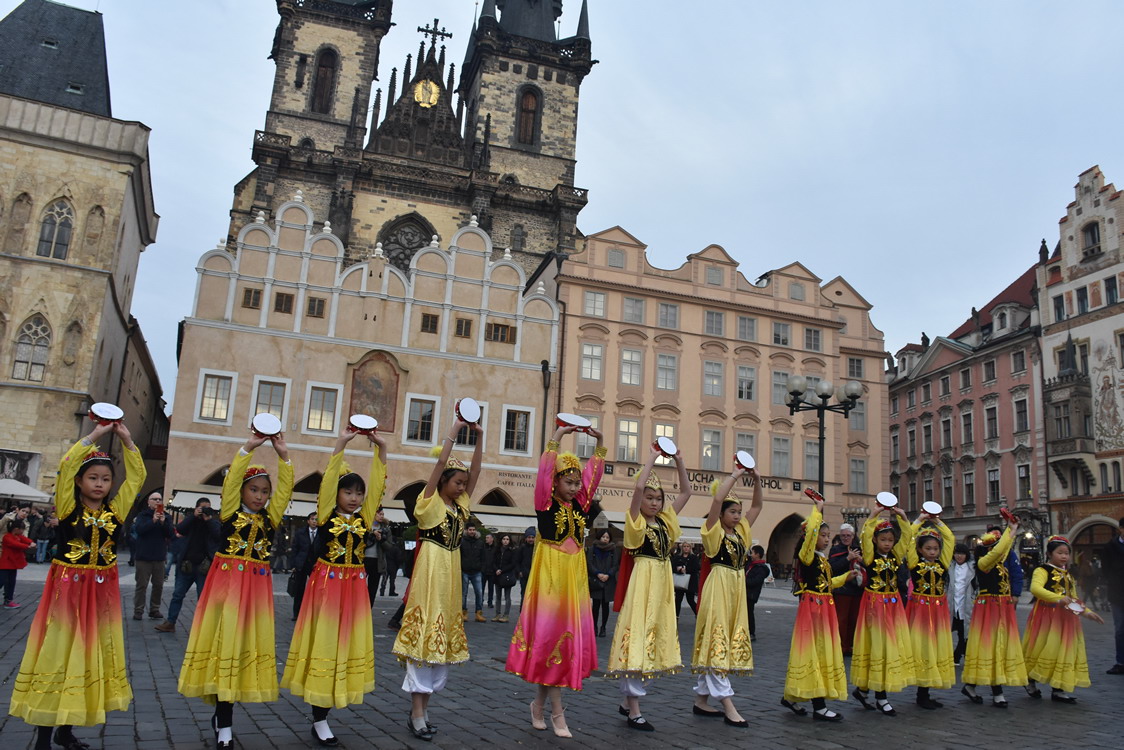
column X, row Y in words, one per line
column 426, row 93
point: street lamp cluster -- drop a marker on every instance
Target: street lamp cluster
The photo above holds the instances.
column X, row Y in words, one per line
column 819, row 401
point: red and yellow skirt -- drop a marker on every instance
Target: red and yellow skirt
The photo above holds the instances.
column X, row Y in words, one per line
column 815, row 658
column 1054, row 647
column 930, row 628
column 331, row 660
column 73, row 668
column 994, row 655
column 230, row 653
column 882, row 655
column 554, row 643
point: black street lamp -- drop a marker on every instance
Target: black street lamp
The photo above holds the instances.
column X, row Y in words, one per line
column 801, row 399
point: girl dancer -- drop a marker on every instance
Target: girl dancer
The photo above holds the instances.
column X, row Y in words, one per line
column 722, row 643
column 73, row 668
column 331, row 658
column 1054, row 644
column 432, row 633
column 927, row 611
column 961, row 579
column 994, row 656
column 815, row 658
column 646, row 637
column 554, row 644
column 882, row 655
column 230, row 653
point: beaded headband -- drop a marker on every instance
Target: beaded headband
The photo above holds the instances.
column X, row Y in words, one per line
column 567, row 462
column 1058, row 538
column 884, row 525
column 96, row 456
column 452, row 463
column 653, row 481
column 929, row 532
column 254, row 471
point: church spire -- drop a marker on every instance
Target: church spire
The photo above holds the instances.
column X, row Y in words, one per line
column 489, row 9
column 583, row 21
column 530, row 19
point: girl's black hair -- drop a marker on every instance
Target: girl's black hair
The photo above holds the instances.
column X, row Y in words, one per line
column 1051, row 546
column 87, row 465
column 960, row 549
column 16, row 523
column 352, row 481
column 727, row 504
column 922, row 539
column 446, row 476
column 502, row 537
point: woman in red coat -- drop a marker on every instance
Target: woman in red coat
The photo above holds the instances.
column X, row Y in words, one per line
column 13, row 557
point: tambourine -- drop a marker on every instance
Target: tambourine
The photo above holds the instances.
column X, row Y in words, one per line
column 105, row 413
column 363, row 424
column 886, row 499
column 468, row 409
column 565, row 419
column 666, row 446
column 744, row 460
column 1075, row 607
column 932, row 507
column 1008, row 516
column 817, row 497
column 265, row 425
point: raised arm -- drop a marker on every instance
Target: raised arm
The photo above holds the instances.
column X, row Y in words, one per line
column 376, row 482
column 1038, row 588
column 684, row 485
column 283, row 492
column 905, row 534
column 443, row 458
column 758, row 501
column 998, row 552
column 642, row 481
column 135, row 474
column 866, row 537
column 811, row 534
column 544, row 482
column 591, row 474
column 477, row 463
column 948, row 542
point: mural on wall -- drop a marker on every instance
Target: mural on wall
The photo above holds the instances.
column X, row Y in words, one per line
column 20, row 466
column 374, row 390
column 1108, row 395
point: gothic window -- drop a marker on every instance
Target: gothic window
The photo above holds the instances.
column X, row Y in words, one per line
column 306, row 143
column 32, row 346
column 324, row 84
column 401, row 239
column 529, row 108
column 54, row 232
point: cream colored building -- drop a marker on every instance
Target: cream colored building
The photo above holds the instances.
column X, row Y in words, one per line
column 286, row 326
column 701, row 354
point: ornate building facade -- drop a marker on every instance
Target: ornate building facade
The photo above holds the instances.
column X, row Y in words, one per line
column 76, row 211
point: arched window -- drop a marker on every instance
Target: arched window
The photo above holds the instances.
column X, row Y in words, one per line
column 54, row 233
column 529, row 106
column 324, row 84
column 1002, row 321
column 32, row 345
column 1091, row 233
column 306, row 143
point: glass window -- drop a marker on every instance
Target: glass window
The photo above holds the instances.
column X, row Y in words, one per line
column 630, row 366
column 746, row 441
column 591, row 361
column 32, row 348
column 1059, row 308
column 858, row 475
column 946, row 433
column 993, row 486
column 216, row 397
column 782, row 451
column 715, row 323
column 946, row 385
column 464, row 328
column 926, row 393
column 315, row 307
column 1061, row 420
column 796, row 291
column 894, row 405
column 747, row 328
column 1110, row 293
column 927, row 490
column 858, row 416
column 270, row 399
column 419, row 425
column 946, row 491
column 894, row 447
column 322, row 409
column 812, row 338
column 1082, row 295
column 467, row 436
column 1018, row 361
column 633, row 311
column 628, row 440
column 1023, row 471
column 714, row 275
column 712, row 449
column 780, row 386
column 616, row 258
column 584, row 443
column 517, row 431
column 911, row 442
column 54, row 232
column 969, row 488
column 966, row 432
column 712, row 378
column 667, row 372
column 855, row 368
column 747, row 382
column 1091, row 234
column 991, row 422
column 811, row 459
column 989, row 370
column 595, row 304
column 669, row 315
column 501, row 333
column 251, row 299
column 927, row 438
column 781, row 334
column 965, row 378
column 911, row 399
column 1022, row 416
column 283, row 303
column 429, row 323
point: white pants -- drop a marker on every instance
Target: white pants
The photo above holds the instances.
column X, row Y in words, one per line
column 425, row 679
column 715, row 686
column 633, row 688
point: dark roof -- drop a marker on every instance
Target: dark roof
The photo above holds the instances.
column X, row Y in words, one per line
column 55, row 54
column 1020, row 291
column 533, row 19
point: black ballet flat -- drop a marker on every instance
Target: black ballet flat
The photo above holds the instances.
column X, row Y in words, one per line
column 420, row 734
column 835, row 716
column 858, row 695
column 1036, row 693
column 731, row 723
column 703, row 712
column 641, row 724
column 928, row 703
column 887, row 710
column 1062, row 698
column 68, row 741
column 999, row 704
column 977, row 699
column 330, row 742
column 622, row 711
column 798, row 710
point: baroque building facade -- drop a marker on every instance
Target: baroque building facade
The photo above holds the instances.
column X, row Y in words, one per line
column 76, row 211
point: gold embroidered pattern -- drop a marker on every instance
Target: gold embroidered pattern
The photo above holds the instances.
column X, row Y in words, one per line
column 719, row 645
column 650, row 643
column 626, row 642
column 458, row 643
column 555, row 657
column 518, row 640
column 928, row 578
column 436, row 642
column 353, row 528
column 817, row 577
column 741, row 649
column 883, row 575
column 250, row 540
column 411, row 631
column 568, row 522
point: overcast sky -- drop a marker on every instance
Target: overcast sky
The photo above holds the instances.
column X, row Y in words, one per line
column 919, row 149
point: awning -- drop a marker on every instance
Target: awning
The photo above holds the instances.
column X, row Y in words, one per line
column 16, row 489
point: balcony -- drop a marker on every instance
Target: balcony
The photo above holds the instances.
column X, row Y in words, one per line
column 1069, row 445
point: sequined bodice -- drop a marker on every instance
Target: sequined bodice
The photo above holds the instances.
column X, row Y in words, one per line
column 561, row 521
column 994, row 582
column 447, row 534
column 657, row 541
column 345, row 540
column 247, row 536
column 88, row 538
column 929, row 578
column 1060, row 581
column 814, row 578
column 732, row 554
column 882, row 574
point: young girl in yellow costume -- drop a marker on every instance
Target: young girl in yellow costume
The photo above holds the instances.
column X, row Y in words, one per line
column 1053, row 643
column 432, row 634
column 73, row 668
column 646, row 637
column 815, row 658
column 994, row 656
column 882, row 655
column 722, row 646
column 230, row 654
column 331, row 660
column 930, row 625
column 554, row 644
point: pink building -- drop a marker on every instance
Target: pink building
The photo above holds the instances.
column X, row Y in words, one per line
column 965, row 424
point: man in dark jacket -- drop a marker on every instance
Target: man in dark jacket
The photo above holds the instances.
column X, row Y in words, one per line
column 526, row 555
column 472, row 568
column 200, row 534
column 154, row 532
column 490, row 569
column 843, row 554
column 755, row 576
column 1112, row 568
column 304, row 540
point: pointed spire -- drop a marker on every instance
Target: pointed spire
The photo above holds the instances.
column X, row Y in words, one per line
column 489, row 9
column 441, row 58
column 452, row 68
column 377, row 110
column 407, row 76
column 583, row 21
column 393, row 87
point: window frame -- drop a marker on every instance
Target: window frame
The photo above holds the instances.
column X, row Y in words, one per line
column 305, row 411
column 667, row 311
column 633, row 317
column 283, row 302
column 287, row 383
column 713, row 382
column 593, row 303
column 714, row 323
column 747, row 322
column 410, row 398
column 599, row 358
column 624, row 447
column 661, row 370
column 197, row 414
column 813, row 339
column 782, row 334
column 634, row 367
column 430, row 323
column 746, row 374
column 532, row 421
